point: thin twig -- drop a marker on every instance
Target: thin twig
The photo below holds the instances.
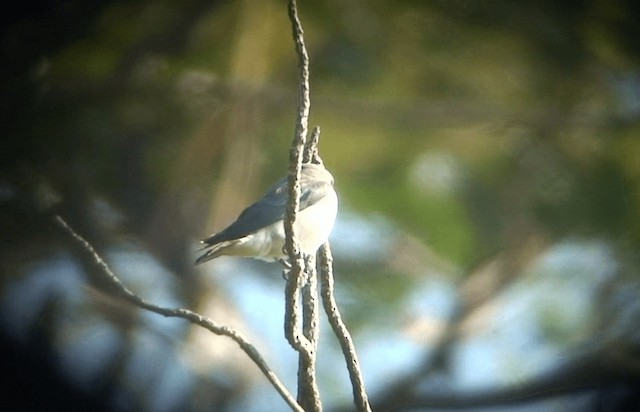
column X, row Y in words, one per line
column 304, row 100
column 340, row 329
column 292, row 291
column 311, row 328
column 298, row 144
column 308, row 393
column 311, row 154
column 187, row 314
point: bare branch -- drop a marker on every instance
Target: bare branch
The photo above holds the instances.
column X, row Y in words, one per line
column 311, row 154
column 304, row 101
column 340, row 329
column 298, row 144
column 292, row 292
column 308, row 392
column 299, row 276
column 187, row 314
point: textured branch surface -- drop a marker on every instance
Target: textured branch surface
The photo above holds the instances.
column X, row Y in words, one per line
column 294, row 275
column 340, row 329
column 298, row 277
column 308, row 391
column 299, row 139
column 189, row 315
column 311, row 154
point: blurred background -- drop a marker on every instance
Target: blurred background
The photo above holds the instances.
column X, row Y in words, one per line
column 487, row 160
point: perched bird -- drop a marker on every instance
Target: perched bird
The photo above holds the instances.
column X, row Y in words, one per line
column 259, row 230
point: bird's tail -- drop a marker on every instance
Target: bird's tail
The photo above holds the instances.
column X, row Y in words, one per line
column 215, row 250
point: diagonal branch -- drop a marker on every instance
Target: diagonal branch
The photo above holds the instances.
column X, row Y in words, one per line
column 187, row 314
column 340, row 330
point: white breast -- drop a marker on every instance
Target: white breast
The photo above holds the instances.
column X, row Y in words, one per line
column 315, row 223
column 312, row 228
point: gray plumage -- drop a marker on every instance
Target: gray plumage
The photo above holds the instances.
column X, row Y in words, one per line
column 259, row 230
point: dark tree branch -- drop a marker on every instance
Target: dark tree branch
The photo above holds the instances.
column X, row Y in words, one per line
column 577, row 375
column 113, row 281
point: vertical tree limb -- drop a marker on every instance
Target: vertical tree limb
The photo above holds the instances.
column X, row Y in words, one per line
column 311, row 154
column 308, row 392
column 306, row 282
column 298, row 276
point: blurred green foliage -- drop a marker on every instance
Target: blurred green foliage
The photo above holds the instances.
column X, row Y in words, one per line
column 136, row 81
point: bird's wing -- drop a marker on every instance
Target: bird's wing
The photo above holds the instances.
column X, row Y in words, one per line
column 217, row 249
column 270, row 209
